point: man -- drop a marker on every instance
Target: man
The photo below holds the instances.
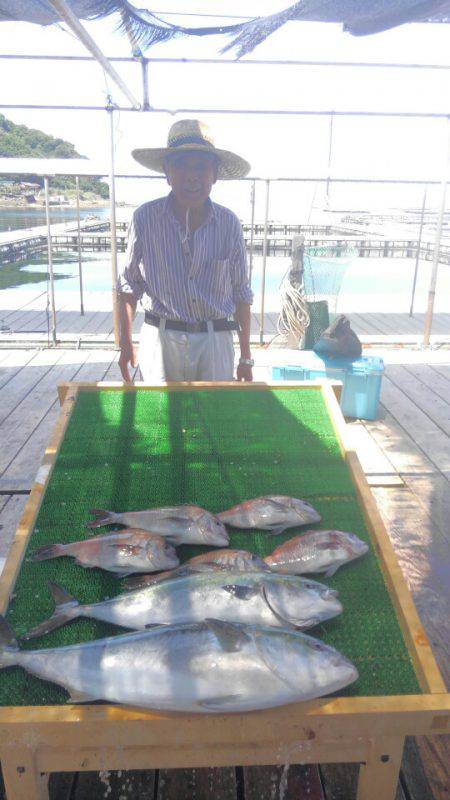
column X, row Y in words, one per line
column 186, row 262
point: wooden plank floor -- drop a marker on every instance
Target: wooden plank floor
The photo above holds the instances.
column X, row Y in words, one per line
column 30, row 315
column 406, row 456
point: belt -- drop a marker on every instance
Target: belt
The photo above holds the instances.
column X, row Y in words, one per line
column 191, row 327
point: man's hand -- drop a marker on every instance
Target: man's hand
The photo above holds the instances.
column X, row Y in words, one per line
column 127, row 310
column 242, row 317
column 244, row 373
column 128, row 355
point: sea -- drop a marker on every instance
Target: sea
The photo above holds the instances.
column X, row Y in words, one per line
column 365, row 285
column 13, row 219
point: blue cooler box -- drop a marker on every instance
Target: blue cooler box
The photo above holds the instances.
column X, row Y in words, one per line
column 361, row 379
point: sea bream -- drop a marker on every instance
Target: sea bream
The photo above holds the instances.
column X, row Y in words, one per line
column 316, row 551
column 122, row 552
column 209, row 666
column 213, row 560
column 260, row 598
column 272, row 513
column 185, row 524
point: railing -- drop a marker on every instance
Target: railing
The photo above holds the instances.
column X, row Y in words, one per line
column 98, row 239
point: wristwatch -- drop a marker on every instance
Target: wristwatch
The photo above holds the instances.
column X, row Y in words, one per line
column 248, row 362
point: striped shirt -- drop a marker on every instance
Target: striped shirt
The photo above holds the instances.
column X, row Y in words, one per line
column 192, row 278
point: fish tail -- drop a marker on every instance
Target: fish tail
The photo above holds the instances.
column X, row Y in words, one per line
column 8, row 645
column 48, row 551
column 66, row 609
column 101, row 517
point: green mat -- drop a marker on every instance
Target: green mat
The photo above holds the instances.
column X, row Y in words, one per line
column 134, row 450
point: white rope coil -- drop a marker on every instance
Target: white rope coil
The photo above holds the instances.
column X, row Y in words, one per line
column 294, row 316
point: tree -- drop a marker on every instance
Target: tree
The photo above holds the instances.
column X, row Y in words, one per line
column 18, row 141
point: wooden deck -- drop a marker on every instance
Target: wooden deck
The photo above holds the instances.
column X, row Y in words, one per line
column 30, row 321
column 405, row 454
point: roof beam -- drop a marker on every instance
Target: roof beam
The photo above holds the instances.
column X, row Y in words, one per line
column 75, row 25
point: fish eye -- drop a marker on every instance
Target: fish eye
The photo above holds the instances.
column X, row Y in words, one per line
column 318, row 646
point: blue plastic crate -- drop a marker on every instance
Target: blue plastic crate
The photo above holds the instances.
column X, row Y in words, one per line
column 361, row 379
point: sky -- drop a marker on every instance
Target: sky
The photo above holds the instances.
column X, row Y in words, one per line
column 277, row 145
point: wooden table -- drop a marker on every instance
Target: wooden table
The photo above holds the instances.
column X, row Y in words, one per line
column 35, row 741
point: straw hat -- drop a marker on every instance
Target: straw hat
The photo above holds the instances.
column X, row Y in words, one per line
column 192, row 136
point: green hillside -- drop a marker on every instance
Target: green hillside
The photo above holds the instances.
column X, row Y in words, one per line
column 18, row 141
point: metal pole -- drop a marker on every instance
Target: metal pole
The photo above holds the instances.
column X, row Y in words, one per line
column 81, row 33
column 112, row 198
column 50, row 262
column 330, row 151
column 145, row 100
column 263, row 278
column 437, row 245
column 80, row 268
column 419, row 243
column 252, row 201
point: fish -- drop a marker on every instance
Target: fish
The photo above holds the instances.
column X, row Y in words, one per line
column 212, row 560
column 185, row 524
column 262, row 598
column 210, row 666
column 122, row 552
column 316, row 551
column 272, row 513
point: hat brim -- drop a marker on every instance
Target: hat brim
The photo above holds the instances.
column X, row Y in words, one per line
column 230, row 165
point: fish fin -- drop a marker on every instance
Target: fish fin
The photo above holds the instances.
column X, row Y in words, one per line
column 60, row 595
column 241, row 592
column 276, row 530
column 332, row 570
column 80, row 697
column 9, row 650
column 307, row 623
column 43, row 553
column 122, row 574
column 218, row 703
column 67, row 608
column 230, row 635
column 151, row 625
column 275, row 503
column 7, row 638
column 101, row 517
column 81, row 563
column 139, row 581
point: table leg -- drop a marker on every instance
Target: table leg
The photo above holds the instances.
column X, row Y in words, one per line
column 22, row 779
column 378, row 777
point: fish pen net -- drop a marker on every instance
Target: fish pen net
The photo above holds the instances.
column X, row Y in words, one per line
column 311, row 290
column 215, row 448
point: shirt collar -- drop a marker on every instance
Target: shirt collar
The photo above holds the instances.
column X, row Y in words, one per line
column 167, row 209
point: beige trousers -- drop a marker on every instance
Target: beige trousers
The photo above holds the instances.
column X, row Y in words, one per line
column 167, row 355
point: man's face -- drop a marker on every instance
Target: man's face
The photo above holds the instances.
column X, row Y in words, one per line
column 191, row 176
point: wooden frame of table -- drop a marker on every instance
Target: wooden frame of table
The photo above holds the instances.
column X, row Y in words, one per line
column 35, row 740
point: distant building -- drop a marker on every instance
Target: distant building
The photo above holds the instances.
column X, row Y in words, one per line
column 58, row 200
